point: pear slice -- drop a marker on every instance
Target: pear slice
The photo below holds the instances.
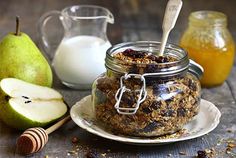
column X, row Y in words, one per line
column 24, row 105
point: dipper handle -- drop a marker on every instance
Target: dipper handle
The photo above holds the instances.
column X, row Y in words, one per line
column 58, row 124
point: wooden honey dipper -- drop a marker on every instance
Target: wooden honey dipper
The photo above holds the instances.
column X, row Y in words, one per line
column 34, row 139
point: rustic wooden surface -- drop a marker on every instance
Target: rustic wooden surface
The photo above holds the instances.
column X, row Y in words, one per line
column 134, row 20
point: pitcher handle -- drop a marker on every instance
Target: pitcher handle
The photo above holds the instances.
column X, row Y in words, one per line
column 43, row 20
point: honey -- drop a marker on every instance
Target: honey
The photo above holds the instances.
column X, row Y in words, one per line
column 209, row 43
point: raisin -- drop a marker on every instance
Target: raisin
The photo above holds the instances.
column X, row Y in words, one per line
column 74, row 140
column 127, row 99
column 152, row 57
column 162, row 59
column 134, row 69
column 155, row 89
column 127, row 52
column 151, row 68
column 126, row 122
column 134, row 54
column 155, row 105
column 201, row 154
column 181, row 112
column 92, row 154
column 197, row 101
column 152, row 126
column 146, row 110
column 150, row 81
column 192, row 85
column 168, row 113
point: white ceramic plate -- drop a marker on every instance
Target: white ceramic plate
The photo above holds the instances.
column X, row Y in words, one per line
column 206, row 120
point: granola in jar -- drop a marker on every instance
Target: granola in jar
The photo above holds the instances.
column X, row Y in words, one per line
column 143, row 94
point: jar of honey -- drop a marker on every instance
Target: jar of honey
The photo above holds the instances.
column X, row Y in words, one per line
column 209, row 43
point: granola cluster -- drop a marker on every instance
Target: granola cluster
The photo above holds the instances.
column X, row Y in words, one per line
column 141, row 57
column 169, row 104
column 143, row 62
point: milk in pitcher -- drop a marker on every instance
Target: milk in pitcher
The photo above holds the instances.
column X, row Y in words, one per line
column 80, row 59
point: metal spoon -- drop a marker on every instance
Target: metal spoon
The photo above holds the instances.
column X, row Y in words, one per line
column 171, row 14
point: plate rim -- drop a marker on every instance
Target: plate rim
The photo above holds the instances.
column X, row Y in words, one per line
column 145, row 141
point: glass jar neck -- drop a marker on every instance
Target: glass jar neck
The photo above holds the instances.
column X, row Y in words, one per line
column 207, row 19
column 168, row 69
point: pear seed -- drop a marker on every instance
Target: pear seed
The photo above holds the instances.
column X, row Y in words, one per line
column 28, row 101
column 25, row 97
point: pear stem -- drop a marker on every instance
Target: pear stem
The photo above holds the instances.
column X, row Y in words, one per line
column 17, row 26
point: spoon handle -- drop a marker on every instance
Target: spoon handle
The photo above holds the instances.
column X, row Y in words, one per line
column 57, row 125
column 171, row 14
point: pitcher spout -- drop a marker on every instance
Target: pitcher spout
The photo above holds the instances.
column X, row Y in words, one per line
column 110, row 17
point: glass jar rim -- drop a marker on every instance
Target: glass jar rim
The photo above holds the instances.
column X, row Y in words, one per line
column 208, row 17
column 149, row 46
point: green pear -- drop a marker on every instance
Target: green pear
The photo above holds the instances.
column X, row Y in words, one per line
column 20, row 58
column 24, row 105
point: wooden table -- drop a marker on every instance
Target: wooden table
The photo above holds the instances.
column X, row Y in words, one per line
column 134, row 20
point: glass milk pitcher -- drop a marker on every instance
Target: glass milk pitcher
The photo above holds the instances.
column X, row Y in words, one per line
column 79, row 58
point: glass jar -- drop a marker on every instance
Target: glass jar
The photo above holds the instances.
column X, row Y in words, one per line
column 144, row 98
column 208, row 42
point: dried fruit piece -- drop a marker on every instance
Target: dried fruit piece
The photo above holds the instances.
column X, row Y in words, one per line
column 155, row 105
column 162, row 59
column 151, row 68
column 168, row 113
column 134, row 54
column 92, row 154
column 74, row 140
column 201, row 154
column 181, row 112
column 152, row 126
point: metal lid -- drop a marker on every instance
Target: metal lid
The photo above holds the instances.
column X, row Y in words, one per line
column 195, row 69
